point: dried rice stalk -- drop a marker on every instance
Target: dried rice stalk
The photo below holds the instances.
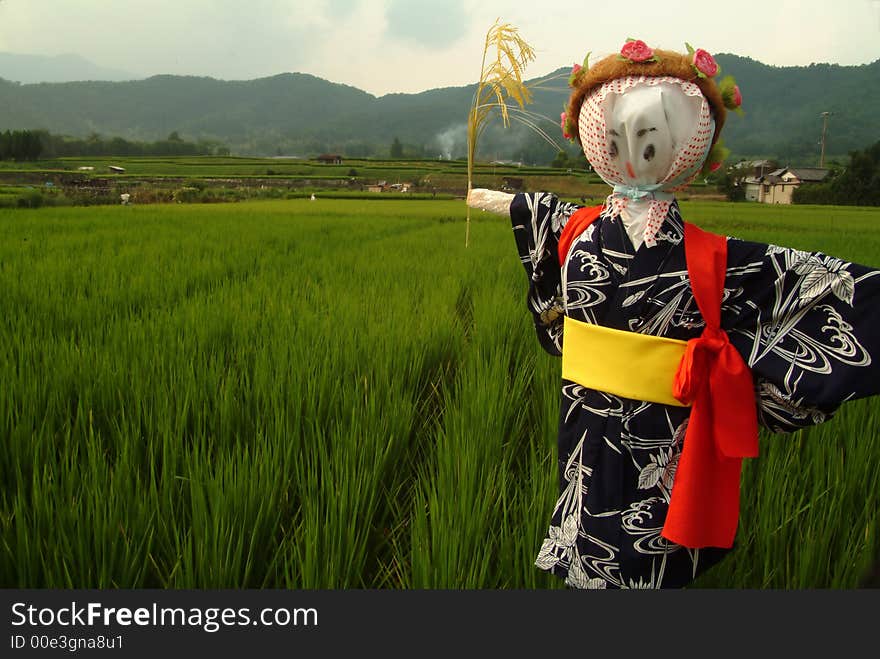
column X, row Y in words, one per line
column 500, row 79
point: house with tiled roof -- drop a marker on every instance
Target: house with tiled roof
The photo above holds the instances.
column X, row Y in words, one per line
column 777, row 186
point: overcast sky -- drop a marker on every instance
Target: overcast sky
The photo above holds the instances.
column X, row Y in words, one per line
column 384, row 46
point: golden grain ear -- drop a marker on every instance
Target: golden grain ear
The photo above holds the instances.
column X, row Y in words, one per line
column 501, row 78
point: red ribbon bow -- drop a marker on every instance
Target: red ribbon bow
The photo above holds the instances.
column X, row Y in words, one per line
column 723, row 425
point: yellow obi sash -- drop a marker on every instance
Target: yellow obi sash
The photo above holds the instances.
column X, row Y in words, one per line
column 627, row 364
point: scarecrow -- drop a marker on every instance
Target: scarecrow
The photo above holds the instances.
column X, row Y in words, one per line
column 676, row 343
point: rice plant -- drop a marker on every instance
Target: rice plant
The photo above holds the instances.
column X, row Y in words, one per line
column 501, row 78
column 337, row 394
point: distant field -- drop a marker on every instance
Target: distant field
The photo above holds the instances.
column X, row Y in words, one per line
column 338, row 394
column 214, row 166
column 424, row 176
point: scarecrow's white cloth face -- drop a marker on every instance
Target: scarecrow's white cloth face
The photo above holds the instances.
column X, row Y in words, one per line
column 648, row 137
column 644, row 127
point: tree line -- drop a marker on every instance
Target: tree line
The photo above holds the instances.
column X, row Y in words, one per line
column 858, row 184
column 20, row 145
column 34, row 144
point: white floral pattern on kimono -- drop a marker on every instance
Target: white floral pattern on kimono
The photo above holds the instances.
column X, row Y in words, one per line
column 806, row 323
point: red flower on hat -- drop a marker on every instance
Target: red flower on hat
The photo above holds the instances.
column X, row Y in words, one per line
column 704, row 63
column 636, row 50
column 574, row 73
column 737, row 96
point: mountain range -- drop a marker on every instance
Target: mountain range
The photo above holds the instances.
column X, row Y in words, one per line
column 56, row 68
column 300, row 114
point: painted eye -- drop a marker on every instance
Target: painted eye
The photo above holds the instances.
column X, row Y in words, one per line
column 649, row 152
column 612, row 149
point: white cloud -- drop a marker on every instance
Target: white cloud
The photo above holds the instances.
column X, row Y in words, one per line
column 434, row 24
column 405, row 45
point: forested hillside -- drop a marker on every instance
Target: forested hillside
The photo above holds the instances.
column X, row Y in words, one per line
column 299, row 114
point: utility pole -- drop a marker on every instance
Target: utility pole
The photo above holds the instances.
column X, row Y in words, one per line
column 824, row 116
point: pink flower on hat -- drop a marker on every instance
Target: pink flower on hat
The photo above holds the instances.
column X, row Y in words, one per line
column 737, row 96
column 636, row 50
column 730, row 94
column 574, row 73
column 704, row 63
column 564, row 121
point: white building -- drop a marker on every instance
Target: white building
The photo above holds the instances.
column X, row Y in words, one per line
column 778, row 186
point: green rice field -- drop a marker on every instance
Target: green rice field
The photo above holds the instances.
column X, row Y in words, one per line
column 339, row 394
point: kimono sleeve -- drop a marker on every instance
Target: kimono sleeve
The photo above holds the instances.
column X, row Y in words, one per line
column 808, row 326
column 538, row 219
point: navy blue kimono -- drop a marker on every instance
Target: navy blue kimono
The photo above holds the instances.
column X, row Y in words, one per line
column 800, row 320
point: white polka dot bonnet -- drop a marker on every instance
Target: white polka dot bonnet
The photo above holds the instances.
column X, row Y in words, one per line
column 648, row 121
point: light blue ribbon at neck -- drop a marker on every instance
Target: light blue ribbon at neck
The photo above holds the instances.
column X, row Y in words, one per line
column 637, row 192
